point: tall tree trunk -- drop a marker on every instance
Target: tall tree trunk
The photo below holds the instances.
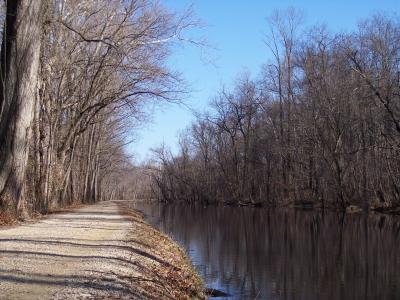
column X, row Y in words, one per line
column 86, row 193
column 19, row 73
column 95, row 180
column 67, row 176
column 38, row 155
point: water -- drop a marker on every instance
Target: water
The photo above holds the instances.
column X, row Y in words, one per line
column 253, row 253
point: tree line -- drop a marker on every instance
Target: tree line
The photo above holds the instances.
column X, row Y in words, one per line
column 76, row 77
column 320, row 125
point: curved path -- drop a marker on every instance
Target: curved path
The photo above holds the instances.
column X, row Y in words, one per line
column 83, row 254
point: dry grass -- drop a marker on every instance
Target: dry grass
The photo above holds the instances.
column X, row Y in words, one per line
column 7, row 220
column 172, row 275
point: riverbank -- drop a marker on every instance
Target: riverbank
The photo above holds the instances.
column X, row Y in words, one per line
column 375, row 208
column 98, row 251
column 170, row 272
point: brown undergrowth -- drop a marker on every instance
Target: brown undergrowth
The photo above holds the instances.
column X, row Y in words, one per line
column 6, row 220
column 169, row 273
column 33, row 217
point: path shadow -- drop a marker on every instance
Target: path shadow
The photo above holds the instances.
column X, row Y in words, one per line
column 79, row 245
column 100, row 283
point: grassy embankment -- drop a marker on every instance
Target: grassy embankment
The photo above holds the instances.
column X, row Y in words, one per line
column 171, row 275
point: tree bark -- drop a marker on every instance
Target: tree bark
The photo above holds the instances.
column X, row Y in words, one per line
column 19, row 74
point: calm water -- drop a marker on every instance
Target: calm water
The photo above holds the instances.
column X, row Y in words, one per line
column 286, row 254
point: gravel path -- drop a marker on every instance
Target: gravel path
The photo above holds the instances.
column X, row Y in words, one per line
column 84, row 254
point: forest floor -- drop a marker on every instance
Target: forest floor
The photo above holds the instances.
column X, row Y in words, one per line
column 101, row 251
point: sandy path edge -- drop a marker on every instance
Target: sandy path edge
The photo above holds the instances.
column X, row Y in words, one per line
column 102, row 251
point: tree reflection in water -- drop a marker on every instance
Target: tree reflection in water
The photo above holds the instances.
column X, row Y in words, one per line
column 287, row 254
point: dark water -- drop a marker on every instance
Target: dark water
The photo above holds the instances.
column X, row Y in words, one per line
column 286, row 254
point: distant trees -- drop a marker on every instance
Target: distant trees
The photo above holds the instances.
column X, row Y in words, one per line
column 319, row 127
column 75, row 78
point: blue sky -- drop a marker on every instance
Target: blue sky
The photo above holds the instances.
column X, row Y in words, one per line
column 235, row 29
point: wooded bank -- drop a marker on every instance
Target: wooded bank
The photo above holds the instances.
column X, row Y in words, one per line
column 319, row 126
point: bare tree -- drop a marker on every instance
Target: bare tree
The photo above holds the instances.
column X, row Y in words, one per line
column 319, row 128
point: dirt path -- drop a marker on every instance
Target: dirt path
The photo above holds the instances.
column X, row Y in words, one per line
column 85, row 254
